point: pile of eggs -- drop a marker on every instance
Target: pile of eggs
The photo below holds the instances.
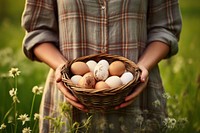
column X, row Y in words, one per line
column 100, row 75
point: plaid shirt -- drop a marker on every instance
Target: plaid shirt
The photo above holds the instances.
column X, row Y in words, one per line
column 83, row 27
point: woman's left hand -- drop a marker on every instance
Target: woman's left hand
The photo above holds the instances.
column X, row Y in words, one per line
column 140, row 87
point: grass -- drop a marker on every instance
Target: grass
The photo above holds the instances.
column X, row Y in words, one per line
column 181, row 73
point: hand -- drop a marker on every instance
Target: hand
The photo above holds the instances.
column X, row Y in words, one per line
column 139, row 88
column 69, row 97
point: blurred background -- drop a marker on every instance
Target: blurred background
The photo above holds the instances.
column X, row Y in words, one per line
column 181, row 73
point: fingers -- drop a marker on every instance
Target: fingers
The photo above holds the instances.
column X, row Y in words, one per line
column 139, row 88
column 70, row 98
column 65, row 91
column 58, row 75
column 137, row 91
column 124, row 104
column 130, row 98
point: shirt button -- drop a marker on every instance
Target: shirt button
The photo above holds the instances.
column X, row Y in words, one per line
column 103, row 7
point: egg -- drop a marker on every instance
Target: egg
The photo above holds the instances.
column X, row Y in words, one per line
column 126, row 77
column 117, row 68
column 104, row 63
column 79, row 68
column 91, row 64
column 101, row 72
column 75, row 79
column 113, row 81
column 87, row 81
column 102, row 85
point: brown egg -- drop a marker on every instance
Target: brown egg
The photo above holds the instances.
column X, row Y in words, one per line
column 87, row 81
column 79, row 68
column 101, row 85
column 117, row 68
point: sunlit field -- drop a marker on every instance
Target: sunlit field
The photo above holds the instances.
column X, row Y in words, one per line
column 181, row 73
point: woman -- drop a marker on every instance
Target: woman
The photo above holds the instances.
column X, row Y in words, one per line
column 144, row 31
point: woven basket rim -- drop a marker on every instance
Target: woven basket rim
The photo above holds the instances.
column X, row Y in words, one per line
column 66, row 78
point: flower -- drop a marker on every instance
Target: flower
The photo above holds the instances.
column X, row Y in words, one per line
column 139, row 119
column 13, row 92
column 15, row 99
column 182, row 122
column 156, row 103
column 24, row 118
column 3, row 126
column 166, row 95
column 37, row 90
column 14, row 72
column 169, row 122
column 10, row 119
column 26, row 130
column 36, row 116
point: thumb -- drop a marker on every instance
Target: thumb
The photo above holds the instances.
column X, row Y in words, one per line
column 58, row 75
column 144, row 75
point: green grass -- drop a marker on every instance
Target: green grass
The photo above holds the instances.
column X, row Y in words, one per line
column 181, row 73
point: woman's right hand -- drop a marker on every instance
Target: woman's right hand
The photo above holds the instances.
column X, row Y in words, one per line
column 69, row 96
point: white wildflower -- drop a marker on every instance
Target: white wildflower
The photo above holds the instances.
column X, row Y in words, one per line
column 169, row 122
column 182, row 122
column 3, row 126
column 14, row 72
column 24, row 118
column 102, row 123
column 139, row 119
column 166, row 95
column 156, row 103
column 36, row 116
column 123, row 128
column 37, row 90
column 178, row 65
column 15, row 99
column 26, row 130
column 13, row 92
column 10, row 119
column 111, row 126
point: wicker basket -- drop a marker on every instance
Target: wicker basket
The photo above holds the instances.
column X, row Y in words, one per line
column 102, row 99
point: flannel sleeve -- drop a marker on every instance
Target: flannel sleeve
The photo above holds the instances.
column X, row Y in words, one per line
column 164, row 23
column 39, row 20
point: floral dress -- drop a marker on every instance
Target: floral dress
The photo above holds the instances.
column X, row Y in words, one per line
column 123, row 27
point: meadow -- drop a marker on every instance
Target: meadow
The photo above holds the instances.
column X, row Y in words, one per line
column 181, row 73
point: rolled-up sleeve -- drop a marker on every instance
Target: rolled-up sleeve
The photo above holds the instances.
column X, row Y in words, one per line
column 164, row 23
column 40, row 23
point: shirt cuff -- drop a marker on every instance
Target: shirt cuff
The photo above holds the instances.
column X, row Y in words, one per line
column 166, row 37
column 37, row 37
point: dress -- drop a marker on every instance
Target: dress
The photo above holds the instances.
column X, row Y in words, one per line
column 123, row 27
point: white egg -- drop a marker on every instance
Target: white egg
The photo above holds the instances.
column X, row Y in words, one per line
column 91, row 64
column 75, row 79
column 126, row 77
column 101, row 72
column 104, row 63
column 113, row 81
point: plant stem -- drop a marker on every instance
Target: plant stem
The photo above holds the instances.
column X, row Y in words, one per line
column 34, row 126
column 31, row 112
column 7, row 113
column 15, row 118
